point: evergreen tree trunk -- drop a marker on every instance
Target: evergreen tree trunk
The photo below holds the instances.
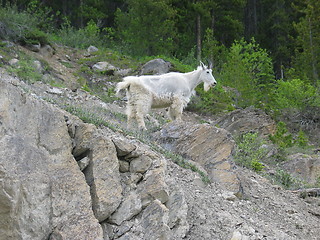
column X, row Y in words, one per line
column 313, row 58
column 198, row 37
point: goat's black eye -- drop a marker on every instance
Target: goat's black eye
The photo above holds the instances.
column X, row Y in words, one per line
column 208, row 72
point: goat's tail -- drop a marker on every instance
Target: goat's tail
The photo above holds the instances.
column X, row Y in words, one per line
column 122, row 86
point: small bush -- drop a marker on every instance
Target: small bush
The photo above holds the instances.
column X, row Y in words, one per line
column 250, row 152
column 78, row 38
column 26, row 70
column 20, row 26
column 34, row 36
column 282, row 137
column 301, row 140
column 285, row 179
column 15, row 24
column 296, row 94
column 285, row 140
column 248, row 68
column 214, row 101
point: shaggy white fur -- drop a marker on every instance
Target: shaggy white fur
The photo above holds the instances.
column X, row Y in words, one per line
column 172, row 90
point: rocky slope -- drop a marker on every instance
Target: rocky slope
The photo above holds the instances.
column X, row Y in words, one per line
column 62, row 178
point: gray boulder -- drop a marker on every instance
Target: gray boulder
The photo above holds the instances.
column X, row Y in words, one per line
column 104, row 67
column 157, row 66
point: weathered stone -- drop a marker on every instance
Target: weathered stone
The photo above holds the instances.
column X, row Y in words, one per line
column 238, row 236
column 103, row 67
column 92, row 49
column 111, row 231
column 153, row 187
column 132, row 155
column 47, row 51
column 124, row 166
column 38, row 66
column 246, row 120
column 209, row 146
column 156, row 66
column 103, row 176
column 132, row 178
column 140, row 164
column 178, row 212
column 130, row 207
column 123, row 146
column 54, row 90
column 123, row 72
column 34, row 47
column 38, row 175
column 83, row 163
column 84, row 133
column 13, row 62
column 304, row 167
column 155, row 221
column 228, row 196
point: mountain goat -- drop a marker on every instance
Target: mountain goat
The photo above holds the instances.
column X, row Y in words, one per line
column 172, row 90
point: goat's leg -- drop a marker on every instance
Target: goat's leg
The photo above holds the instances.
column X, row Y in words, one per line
column 175, row 110
column 143, row 107
column 131, row 115
column 140, row 120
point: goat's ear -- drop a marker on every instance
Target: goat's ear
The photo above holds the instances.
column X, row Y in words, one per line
column 202, row 65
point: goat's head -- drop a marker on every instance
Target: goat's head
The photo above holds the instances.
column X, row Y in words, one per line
column 206, row 76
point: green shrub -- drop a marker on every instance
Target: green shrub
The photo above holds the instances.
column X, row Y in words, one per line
column 248, row 68
column 285, row 179
column 295, row 94
column 26, row 70
column 15, row 24
column 78, row 38
column 282, row 137
column 21, row 26
column 34, row 36
column 249, row 152
column 301, row 139
column 214, row 101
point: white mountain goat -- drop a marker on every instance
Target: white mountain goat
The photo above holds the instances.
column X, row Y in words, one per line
column 172, row 90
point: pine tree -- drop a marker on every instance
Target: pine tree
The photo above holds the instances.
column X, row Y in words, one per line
column 147, row 27
column 308, row 42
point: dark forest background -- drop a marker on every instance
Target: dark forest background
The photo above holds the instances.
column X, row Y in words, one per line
column 265, row 53
column 288, row 29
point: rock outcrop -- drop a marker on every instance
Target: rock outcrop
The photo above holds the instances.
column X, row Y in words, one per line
column 304, row 167
column 62, row 178
column 245, row 120
column 43, row 194
column 206, row 145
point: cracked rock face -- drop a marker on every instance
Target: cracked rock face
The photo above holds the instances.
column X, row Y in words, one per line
column 43, row 194
column 208, row 146
column 62, row 179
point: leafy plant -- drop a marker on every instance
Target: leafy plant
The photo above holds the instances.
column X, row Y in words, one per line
column 295, row 94
column 26, row 70
column 282, row 137
column 250, row 152
column 214, row 101
column 248, row 68
column 78, row 38
column 286, row 179
column 301, row 140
